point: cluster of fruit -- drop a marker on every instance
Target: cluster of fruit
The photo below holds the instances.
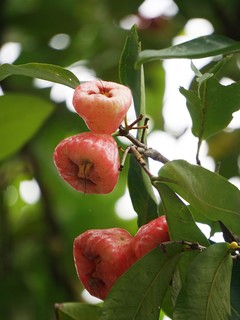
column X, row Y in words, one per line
column 89, row 161
column 103, row 255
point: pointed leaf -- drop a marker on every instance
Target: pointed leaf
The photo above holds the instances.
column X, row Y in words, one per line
column 139, row 293
column 206, row 291
column 140, row 188
column 20, row 118
column 205, row 46
column 181, row 225
column 77, row 311
column 129, row 76
column 208, row 192
column 212, row 111
column 43, row 71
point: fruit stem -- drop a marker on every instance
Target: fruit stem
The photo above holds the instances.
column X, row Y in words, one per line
column 141, row 147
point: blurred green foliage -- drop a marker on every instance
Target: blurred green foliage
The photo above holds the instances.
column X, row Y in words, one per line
column 36, row 263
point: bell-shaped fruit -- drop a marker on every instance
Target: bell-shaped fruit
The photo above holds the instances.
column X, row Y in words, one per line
column 150, row 235
column 89, row 162
column 103, row 105
column 101, row 257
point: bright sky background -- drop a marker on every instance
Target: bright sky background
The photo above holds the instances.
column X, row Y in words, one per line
column 175, row 112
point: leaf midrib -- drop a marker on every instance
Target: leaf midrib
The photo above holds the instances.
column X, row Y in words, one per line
column 150, row 286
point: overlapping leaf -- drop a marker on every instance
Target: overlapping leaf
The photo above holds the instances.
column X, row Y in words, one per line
column 43, row 71
column 181, row 225
column 139, row 293
column 206, row 291
column 205, row 46
column 208, row 192
column 212, row 110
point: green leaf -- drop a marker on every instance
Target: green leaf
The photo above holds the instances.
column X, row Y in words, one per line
column 181, row 225
column 205, row 46
column 139, row 293
column 141, row 193
column 155, row 88
column 212, row 110
column 20, row 118
column 211, row 194
column 235, row 289
column 206, row 291
column 129, row 76
column 43, row 71
column 77, row 311
column 140, row 188
column 181, row 272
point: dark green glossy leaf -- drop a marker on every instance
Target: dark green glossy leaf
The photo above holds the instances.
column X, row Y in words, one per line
column 208, row 192
column 212, row 110
column 20, row 118
column 143, row 199
column 206, row 291
column 205, row 46
column 77, row 311
column 235, row 289
column 140, row 188
column 181, row 272
column 139, row 293
column 43, row 71
column 181, row 225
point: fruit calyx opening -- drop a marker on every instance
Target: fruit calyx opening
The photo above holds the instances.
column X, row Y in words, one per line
column 84, row 170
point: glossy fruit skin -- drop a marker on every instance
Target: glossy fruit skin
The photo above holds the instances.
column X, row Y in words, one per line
column 103, row 105
column 101, row 257
column 89, row 162
column 150, row 235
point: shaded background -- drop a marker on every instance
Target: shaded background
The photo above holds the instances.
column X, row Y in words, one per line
column 36, row 263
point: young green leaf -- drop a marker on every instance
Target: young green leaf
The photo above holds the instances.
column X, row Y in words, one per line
column 212, row 110
column 139, row 293
column 21, row 117
column 77, row 311
column 206, row 291
column 210, row 193
column 181, row 225
column 205, row 46
column 43, row 71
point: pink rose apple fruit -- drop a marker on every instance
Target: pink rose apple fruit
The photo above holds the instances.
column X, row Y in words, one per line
column 103, row 105
column 101, row 257
column 89, row 162
column 150, row 235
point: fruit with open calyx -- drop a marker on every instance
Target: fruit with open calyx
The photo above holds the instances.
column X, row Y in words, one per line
column 101, row 257
column 89, row 162
column 103, row 105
